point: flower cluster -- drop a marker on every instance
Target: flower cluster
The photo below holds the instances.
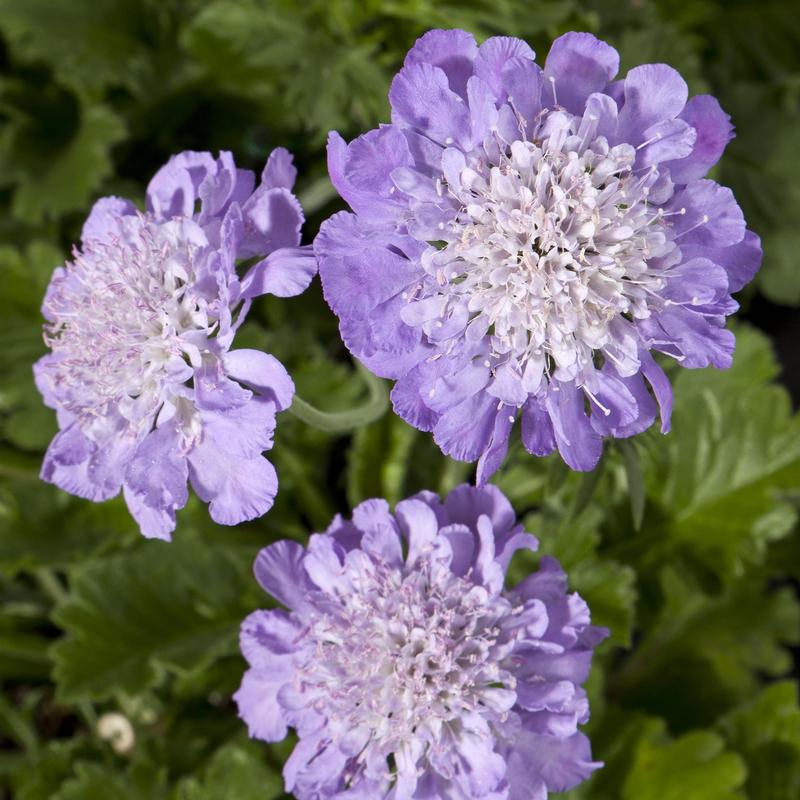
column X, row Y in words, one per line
column 523, row 238
column 408, row 670
column 140, row 323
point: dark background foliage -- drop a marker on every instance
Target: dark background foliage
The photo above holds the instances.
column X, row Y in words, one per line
column 685, row 545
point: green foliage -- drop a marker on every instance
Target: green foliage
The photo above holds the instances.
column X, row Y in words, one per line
column 767, row 732
column 695, row 767
column 237, row 771
column 684, row 545
column 132, row 618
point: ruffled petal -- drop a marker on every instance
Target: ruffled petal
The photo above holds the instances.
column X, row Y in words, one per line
column 422, row 99
column 453, row 51
column 173, row 190
column 157, row 472
column 102, row 222
column 698, row 341
column 464, row 432
column 537, row 429
column 154, row 521
column 741, row 260
column 279, row 570
column 272, row 220
column 257, row 700
column 578, row 65
column 361, row 171
column 285, row 273
column 279, row 171
column 579, row 444
column 708, row 215
column 493, row 456
column 714, row 130
column 263, row 373
column 493, row 55
column 653, row 92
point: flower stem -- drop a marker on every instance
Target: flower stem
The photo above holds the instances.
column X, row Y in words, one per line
column 345, row 421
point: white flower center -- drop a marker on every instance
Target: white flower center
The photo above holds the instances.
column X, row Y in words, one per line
column 406, row 654
column 123, row 318
column 550, row 248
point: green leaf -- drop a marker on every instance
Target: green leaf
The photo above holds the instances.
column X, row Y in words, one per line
column 379, row 460
column 635, row 479
column 31, row 513
column 115, row 38
column 766, row 732
column 133, row 618
column 694, row 767
column 237, row 771
column 93, row 781
column 703, row 655
column 45, row 772
column 65, row 179
column 721, row 478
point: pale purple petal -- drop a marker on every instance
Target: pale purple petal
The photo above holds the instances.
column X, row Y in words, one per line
column 102, row 220
column 714, row 130
column 653, row 93
column 452, row 51
column 578, row 65
column 262, row 373
column 279, row 171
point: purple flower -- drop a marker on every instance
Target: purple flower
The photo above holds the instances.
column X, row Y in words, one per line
column 406, row 668
column 141, row 322
column 522, row 238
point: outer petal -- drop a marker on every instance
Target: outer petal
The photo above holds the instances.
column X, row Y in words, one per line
column 580, row 446
column 244, row 431
column 272, row 220
column 262, row 372
column 465, row 504
column 662, row 388
column 280, row 571
column 493, row 55
column 237, row 489
column 285, row 273
column 257, row 699
column 157, row 472
column 279, row 171
column 741, row 260
column 154, row 521
column 493, row 456
column 361, row 171
column 453, row 51
column 714, row 130
column 653, row 92
column 537, row 429
column 422, row 99
column 102, row 220
column 562, row 764
column 689, row 337
column 578, row 65
column 174, row 188
column 465, row 431
column 709, row 216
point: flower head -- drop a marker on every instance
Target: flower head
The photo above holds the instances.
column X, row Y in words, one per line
column 523, row 238
column 406, row 667
column 140, row 324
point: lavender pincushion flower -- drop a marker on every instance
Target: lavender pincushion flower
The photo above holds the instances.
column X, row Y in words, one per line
column 406, row 668
column 147, row 388
column 523, row 238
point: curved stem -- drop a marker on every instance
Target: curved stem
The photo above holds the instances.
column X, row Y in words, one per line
column 345, row 421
